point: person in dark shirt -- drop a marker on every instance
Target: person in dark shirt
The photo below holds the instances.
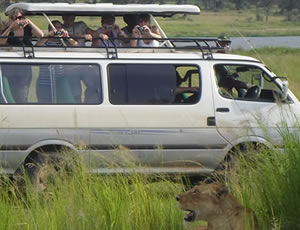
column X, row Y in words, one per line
column 131, row 21
column 19, row 30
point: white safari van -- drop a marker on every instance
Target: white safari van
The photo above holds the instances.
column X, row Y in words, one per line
column 181, row 107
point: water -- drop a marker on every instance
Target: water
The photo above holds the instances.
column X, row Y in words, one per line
column 257, row 42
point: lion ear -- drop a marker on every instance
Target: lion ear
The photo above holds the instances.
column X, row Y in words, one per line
column 222, row 192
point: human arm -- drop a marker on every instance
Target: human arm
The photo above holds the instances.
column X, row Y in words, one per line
column 99, row 37
column 6, row 32
column 35, row 30
column 120, row 33
column 155, row 33
column 135, row 34
column 150, row 32
column 69, row 41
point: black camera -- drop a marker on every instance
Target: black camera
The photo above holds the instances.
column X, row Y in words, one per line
column 141, row 29
column 59, row 33
column 21, row 24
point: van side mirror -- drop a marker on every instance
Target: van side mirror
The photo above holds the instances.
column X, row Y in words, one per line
column 284, row 89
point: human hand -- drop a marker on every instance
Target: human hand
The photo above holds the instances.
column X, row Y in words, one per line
column 117, row 29
column 13, row 24
column 64, row 33
column 103, row 36
column 52, row 33
column 135, row 31
column 25, row 22
column 145, row 30
column 88, row 37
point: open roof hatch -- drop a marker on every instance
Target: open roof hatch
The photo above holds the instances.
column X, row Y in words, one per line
column 84, row 9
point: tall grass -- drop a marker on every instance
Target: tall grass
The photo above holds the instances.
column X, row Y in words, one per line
column 269, row 183
column 84, row 201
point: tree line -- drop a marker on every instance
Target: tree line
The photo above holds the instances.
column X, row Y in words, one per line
column 288, row 8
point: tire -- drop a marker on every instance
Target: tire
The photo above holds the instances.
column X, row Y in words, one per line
column 230, row 162
column 245, row 152
column 43, row 167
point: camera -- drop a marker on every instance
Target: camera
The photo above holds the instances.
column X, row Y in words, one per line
column 21, row 24
column 59, row 33
column 141, row 29
column 110, row 27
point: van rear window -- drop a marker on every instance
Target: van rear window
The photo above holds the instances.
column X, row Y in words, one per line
column 153, row 84
column 50, row 84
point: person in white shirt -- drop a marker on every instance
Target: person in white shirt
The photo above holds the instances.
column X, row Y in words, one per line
column 144, row 30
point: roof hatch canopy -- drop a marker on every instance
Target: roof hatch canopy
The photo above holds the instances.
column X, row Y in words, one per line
column 84, row 9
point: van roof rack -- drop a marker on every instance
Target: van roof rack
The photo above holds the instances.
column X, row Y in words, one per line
column 206, row 46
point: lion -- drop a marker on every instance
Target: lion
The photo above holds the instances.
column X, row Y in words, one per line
column 213, row 203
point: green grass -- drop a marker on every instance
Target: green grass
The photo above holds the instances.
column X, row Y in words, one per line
column 269, row 183
column 84, row 201
column 232, row 23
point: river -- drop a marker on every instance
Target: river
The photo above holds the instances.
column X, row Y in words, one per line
column 257, row 42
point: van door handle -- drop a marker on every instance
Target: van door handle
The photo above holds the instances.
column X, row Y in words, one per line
column 223, row 110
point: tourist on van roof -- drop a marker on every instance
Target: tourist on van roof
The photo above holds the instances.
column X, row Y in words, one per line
column 57, row 36
column 109, row 33
column 224, row 42
column 19, row 29
column 131, row 20
column 77, row 29
column 145, row 32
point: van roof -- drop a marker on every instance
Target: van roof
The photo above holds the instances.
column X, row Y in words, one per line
column 84, row 9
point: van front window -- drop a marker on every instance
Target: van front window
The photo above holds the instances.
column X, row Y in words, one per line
column 246, row 82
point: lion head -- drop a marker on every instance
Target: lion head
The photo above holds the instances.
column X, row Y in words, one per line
column 202, row 201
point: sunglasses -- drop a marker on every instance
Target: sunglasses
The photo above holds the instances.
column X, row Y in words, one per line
column 20, row 17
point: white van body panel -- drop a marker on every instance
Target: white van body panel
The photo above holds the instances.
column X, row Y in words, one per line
column 255, row 121
column 172, row 138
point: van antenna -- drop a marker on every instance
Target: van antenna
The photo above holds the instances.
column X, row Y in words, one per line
column 161, row 31
column 250, row 45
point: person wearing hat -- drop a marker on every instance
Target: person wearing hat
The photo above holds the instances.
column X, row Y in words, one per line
column 224, row 42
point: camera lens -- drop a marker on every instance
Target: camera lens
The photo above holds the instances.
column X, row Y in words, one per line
column 21, row 24
column 59, row 33
column 141, row 28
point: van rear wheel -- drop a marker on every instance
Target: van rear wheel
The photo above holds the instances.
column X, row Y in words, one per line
column 45, row 168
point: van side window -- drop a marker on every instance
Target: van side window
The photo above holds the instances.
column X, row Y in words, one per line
column 246, row 82
column 50, row 84
column 153, row 84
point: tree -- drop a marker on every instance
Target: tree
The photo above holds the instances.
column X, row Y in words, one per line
column 264, row 6
column 291, row 8
column 4, row 3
